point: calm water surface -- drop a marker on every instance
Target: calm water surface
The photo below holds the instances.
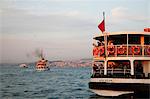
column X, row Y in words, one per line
column 57, row 83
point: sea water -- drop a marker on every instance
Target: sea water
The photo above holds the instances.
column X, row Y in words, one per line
column 57, row 83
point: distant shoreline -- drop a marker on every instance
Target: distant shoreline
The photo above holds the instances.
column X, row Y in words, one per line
column 61, row 63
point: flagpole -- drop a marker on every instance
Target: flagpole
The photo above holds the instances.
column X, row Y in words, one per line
column 105, row 35
column 101, row 26
column 42, row 53
column 105, row 42
column 104, row 16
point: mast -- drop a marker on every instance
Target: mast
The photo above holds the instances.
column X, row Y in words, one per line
column 42, row 53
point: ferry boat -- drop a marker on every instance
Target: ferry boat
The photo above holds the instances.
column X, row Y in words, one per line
column 121, row 64
column 42, row 65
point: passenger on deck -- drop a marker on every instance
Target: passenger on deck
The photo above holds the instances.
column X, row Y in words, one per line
column 139, row 68
column 111, row 65
column 99, row 43
column 95, row 69
column 110, row 43
column 139, row 71
column 111, row 49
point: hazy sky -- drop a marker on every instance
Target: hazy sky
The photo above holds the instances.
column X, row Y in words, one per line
column 63, row 28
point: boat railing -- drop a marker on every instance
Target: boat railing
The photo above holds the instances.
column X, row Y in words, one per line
column 114, row 71
column 118, row 73
column 125, row 73
column 130, row 50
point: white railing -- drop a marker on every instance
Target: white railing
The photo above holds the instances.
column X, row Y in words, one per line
column 114, row 71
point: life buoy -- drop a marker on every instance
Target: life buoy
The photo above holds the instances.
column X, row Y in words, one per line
column 135, row 50
column 111, row 50
column 95, row 51
column 121, row 50
column 101, row 50
column 148, row 50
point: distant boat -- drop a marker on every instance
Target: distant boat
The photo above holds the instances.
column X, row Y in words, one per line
column 23, row 65
column 42, row 65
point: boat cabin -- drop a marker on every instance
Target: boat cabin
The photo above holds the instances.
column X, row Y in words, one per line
column 122, row 54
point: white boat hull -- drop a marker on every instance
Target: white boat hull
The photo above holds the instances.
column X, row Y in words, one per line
column 110, row 92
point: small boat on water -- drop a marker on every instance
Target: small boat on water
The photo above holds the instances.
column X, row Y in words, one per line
column 23, row 65
column 121, row 64
column 42, row 65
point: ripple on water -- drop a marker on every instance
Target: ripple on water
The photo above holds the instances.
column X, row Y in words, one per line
column 58, row 83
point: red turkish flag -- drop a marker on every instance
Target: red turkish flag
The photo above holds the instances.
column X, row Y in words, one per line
column 101, row 26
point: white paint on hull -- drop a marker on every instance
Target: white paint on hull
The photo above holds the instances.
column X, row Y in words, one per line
column 41, row 69
column 110, row 92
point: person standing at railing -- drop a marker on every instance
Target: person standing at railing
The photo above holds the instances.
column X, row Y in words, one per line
column 95, row 69
column 139, row 68
column 111, row 49
column 100, row 43
column 110, row 42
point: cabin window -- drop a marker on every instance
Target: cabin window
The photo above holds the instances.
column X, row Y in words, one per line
column 147, row 40
column 118, row 39
column 134, row 39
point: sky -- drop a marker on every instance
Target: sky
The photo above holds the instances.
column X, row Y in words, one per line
column 63, row 29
